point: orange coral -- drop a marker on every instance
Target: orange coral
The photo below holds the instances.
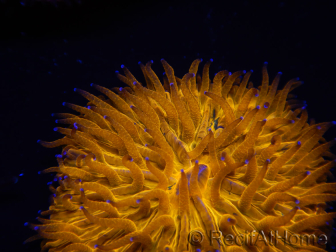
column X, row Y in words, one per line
column 145, row 167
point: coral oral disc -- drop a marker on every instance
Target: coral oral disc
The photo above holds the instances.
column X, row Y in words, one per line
column 146, row 165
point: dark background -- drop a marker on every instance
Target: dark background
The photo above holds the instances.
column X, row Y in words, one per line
column 48, row 49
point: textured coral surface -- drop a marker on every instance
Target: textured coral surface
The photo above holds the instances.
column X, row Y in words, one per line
column 148, row 166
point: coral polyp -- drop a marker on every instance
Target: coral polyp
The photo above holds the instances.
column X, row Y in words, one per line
column 163, row 166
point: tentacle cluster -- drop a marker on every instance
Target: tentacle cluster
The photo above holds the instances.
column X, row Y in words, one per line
column 145, row 165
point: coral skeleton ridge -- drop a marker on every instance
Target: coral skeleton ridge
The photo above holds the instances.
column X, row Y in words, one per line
column 145, row 166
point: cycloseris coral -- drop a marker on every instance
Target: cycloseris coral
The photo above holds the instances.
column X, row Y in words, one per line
column 144, row 166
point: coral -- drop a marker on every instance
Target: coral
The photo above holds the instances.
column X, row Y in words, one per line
column 144, row 168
